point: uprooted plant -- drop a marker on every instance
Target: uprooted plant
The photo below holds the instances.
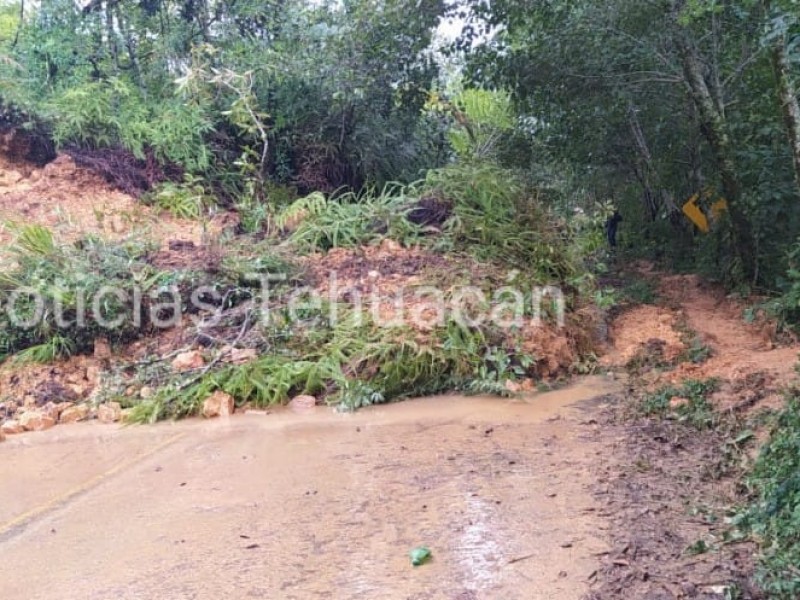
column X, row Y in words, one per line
column 59, row 298
column 350, row 364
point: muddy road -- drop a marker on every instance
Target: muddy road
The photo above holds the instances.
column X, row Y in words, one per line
column 316, row 505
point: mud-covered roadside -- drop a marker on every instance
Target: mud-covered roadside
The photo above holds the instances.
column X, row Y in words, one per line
column 675, row 483
column 667, row 496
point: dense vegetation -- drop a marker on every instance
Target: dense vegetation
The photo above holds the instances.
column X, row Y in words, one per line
column 333, row 123
column 642, row 104
column 773, row 518
column 648, row 103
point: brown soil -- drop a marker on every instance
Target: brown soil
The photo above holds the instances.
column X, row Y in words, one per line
column 739, row 349
column 388, row 264
column 666, row 497
column 32, row 386
column 75, row 203
column 636, row 328
column 745, row 357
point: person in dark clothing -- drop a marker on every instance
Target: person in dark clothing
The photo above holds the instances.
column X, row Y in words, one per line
column 611, row 228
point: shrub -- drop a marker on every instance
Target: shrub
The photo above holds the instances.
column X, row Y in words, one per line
column 696, row 412
column 186, row 200
column 350, row 219
column 113, row 113
column 79, row 278
column 496, row 216
column 774, row 515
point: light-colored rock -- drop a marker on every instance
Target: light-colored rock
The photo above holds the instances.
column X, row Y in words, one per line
column 188, row 360
column 73, row 414
column 9, row 177
column 390, row 245
column 11, row 427
column 239, row 356
column 512, row 386
column 51, row 410
column 677, row 402
column 110, row 412
column 62, row 406
column 146, row 392
column 35, row 420
column 93, row 374
column 218, row 404
column 77, row 389
column 117, row 224
column 303, row 404
column 102, row 350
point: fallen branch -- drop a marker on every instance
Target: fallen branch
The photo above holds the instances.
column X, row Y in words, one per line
column 219, row 356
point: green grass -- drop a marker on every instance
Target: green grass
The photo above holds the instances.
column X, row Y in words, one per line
column 773, row 516
column 347, row 220
column 186, row 200
column 68, row 278
column 57, row 347
column 497, row 217
column 697, row 411
column 640, row 291
column 350, row 366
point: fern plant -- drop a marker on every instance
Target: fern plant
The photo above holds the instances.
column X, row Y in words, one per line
column 186, row 200
column 56, row 348
column 351, row 219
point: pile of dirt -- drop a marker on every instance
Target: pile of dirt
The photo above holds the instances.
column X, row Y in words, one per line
column 124, row 171
column 692, row 312
column 26, row 149
column 75, row 202
column 396, row 278
column 387, row 269
column 46, row 389
column 738, row 349
column 636, row 328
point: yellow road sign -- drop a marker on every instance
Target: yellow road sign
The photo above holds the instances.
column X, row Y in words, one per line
column 696, row 214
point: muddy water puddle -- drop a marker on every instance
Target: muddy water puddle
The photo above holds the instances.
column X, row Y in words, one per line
column 317, row 505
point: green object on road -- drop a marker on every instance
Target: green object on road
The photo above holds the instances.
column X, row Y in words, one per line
column 419, row 556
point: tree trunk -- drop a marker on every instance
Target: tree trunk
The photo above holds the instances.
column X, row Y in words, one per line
column 112, row 35
column 130, row 45
column 715, row 131
column 643, row 164
column 714, row 127
column 789, row 104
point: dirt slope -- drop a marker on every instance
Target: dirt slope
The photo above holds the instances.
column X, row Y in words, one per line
column 690, row 312
column 739, row 349
column 74, row 202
